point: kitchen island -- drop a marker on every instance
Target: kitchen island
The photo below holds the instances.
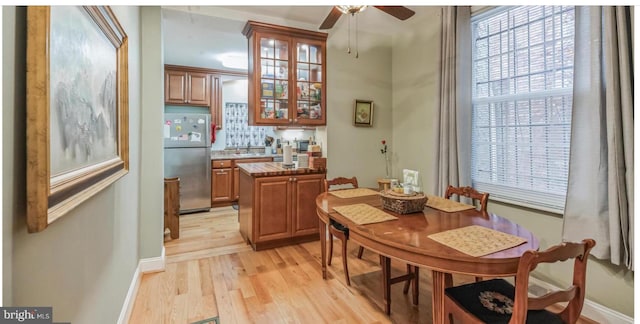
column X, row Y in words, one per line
column 277, row 205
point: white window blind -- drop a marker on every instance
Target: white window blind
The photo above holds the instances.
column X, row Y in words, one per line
column 522, row 96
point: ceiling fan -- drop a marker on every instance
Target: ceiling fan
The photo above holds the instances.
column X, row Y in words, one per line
column 400, row 12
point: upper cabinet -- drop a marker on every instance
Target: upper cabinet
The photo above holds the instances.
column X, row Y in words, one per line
column 287, row 75
column 187, row 88
column 196, row 86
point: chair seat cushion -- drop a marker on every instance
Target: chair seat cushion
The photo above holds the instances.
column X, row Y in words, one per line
column 492, row 302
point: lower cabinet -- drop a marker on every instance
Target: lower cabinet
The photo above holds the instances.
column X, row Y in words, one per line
column 221, row 181
column 225, row 178
column 281, row 210
column 273, row 208
column 304, row 216
column 236, row 173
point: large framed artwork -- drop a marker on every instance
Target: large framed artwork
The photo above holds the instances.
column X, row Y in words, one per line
column 77, row 108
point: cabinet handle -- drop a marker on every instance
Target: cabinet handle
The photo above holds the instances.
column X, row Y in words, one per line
column 290, row 120
column 295, row 120
column 290, row 179
column 295, row 179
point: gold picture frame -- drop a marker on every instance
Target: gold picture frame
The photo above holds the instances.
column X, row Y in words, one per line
column 77, row 108
column 363, row 113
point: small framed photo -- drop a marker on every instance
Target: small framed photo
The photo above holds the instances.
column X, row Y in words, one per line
column 363, row 113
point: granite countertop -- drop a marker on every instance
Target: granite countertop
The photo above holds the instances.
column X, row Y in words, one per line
column 267, row 169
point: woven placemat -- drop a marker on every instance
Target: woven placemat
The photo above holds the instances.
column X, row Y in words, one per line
column 446, row 205
column 477, row 240
column 364, row 214
column 351, row 193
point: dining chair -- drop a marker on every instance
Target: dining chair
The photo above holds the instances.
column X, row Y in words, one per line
column 497, row 301
column 341, row 232
column 481, row 197
column 338, row 230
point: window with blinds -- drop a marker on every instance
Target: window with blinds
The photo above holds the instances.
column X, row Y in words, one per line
column 522, row 83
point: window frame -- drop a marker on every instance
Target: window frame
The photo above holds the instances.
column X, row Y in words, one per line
column 550, row 202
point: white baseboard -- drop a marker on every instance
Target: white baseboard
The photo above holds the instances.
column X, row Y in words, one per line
column 127, row 306
column 144, row 266
column 590, row 309
column 152, row 264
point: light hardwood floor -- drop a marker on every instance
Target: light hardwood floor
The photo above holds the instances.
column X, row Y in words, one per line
column 211, row 272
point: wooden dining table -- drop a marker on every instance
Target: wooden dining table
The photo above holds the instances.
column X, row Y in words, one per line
column 407, row 239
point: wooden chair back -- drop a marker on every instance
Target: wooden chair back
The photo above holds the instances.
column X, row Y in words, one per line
column 462, row 302
column 574, row 295
column 340, row 181
column 482, row 197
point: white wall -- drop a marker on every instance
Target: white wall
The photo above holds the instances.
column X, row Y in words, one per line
column 152, row 96
column 415, row 92
column 415, row 89
column 82, row 264
column 13, row 148
column 350, row 150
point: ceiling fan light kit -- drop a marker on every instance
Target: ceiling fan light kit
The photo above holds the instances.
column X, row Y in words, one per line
column 399, row 12
column 351, row 9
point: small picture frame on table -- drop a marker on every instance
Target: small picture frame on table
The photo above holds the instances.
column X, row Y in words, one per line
column 363, row 113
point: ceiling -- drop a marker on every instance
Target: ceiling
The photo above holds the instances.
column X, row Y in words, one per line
column 197, row 35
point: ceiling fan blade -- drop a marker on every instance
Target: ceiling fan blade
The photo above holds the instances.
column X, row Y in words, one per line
column 400, row 12
column 331, row 19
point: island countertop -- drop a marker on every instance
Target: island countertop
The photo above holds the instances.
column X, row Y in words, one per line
column 268, row 169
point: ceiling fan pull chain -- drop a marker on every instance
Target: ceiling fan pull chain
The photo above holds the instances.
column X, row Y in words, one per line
column 349, row 36
column 356, row 36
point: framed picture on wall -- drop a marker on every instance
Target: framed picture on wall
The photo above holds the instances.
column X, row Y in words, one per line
column 77, row 108
column 363, row 113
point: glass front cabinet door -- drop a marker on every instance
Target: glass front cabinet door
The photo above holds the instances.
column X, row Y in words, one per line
column 287, row 79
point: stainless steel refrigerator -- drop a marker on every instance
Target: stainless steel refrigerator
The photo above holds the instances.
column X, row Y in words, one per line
column 187, row 155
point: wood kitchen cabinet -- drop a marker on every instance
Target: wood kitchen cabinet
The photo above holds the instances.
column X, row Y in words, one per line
column 216, row 100
column 287, row 75
column 187, row 88
column 221, row 181
column 195, row 86
column 236, row 173
column 225, row 178
column 273, row 208
column 286, row 207
column 278, row 210
column 304, row 218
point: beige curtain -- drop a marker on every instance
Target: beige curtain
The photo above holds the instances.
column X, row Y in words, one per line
column 454, row 144
column 599, row 201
